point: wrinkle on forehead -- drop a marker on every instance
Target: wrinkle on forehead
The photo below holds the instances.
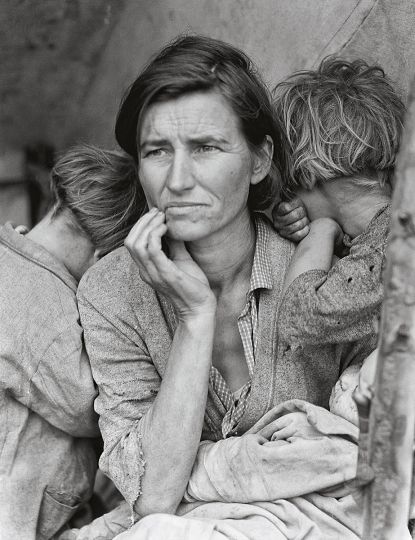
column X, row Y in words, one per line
column 194, row 115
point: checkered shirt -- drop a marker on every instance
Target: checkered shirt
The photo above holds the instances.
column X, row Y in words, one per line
column 248, row 329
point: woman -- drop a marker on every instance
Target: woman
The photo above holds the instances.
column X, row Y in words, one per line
column 181, row 328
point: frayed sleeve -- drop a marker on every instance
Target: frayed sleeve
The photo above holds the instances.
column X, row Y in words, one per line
column 127, row 383
column 342, row 305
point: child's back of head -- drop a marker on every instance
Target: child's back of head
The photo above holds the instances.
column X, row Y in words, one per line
column 102, row 191
column 342, row 120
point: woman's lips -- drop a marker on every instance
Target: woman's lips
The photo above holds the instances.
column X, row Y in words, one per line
column 183, row 208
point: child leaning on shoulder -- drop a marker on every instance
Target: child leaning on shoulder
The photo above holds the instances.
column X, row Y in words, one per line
column 341, row 125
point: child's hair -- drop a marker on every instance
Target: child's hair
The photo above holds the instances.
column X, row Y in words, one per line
column 343, row 119
column 102, row 191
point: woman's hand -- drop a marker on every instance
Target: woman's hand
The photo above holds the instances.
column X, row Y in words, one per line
column 290, row 425
column 178, row 277
column 290, row 220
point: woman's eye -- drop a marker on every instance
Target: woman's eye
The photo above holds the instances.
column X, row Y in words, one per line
column 206, row 148
column 156, row 152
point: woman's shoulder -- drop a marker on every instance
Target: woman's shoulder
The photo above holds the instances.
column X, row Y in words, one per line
column 277, row 247
column 112, row 279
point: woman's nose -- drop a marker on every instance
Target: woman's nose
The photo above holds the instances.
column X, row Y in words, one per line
column 180, row 176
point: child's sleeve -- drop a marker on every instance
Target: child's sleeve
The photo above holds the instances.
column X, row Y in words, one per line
column 341, row 305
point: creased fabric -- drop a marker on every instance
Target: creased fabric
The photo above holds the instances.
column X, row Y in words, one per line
column 343, row 304
column 47, row 417
column 259, row 489
column 105, row 527
column 253, row 468
column 128, row 331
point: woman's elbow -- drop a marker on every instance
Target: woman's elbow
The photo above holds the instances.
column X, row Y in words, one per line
column 155, row 504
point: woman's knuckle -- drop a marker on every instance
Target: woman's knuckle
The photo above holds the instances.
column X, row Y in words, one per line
column 152, row 248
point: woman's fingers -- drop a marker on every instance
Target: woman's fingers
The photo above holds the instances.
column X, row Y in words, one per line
column 274, row 426
column 178, row 251
column 284, row 433
column 177, row 276
column 147, row 231
column 137, row 240
column 141, row 224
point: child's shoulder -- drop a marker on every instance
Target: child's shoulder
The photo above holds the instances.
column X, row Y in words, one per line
column 376, row 235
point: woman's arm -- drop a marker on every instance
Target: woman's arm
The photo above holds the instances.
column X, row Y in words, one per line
column 174, row 422
column 321, row 454
column 151, row 427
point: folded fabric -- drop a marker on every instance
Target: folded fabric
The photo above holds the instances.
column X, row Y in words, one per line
column 253, row 468
column 258, row 488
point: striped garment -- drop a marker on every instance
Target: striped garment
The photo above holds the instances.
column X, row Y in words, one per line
column 235, row 403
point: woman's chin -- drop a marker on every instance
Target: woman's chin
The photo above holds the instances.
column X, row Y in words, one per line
column 185, row 231
column 184, row 236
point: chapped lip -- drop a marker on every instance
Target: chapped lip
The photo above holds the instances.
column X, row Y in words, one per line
column 182, row 204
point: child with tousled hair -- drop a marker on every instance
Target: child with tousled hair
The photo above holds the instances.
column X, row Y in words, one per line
column 341, row 125
column 48, row 424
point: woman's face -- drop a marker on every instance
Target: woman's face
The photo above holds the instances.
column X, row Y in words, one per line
column 195, row 164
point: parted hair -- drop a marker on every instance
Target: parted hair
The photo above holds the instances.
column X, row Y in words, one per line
column 343, row 119
column 101, row 190
column 197, row 63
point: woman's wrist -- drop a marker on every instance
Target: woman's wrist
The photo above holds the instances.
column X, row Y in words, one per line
column 200, row 316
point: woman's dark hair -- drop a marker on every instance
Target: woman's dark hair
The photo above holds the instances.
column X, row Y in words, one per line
column 198, row 63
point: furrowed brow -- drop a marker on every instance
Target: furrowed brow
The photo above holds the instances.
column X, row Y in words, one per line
column 206, row 139
column 154, row 142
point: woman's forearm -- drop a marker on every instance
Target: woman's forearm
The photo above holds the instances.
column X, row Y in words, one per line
column 174, row 425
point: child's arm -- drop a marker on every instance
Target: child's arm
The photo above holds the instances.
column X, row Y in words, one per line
column 340, row 304
column 315, row 251
column 290, row 220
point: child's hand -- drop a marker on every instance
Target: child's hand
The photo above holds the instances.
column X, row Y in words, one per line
column 291, row 220
column 21, row 229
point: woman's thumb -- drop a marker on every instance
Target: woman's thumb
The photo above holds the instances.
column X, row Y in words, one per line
column 177, row 250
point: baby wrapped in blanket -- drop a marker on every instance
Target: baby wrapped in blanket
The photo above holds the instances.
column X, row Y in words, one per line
column 276, row 481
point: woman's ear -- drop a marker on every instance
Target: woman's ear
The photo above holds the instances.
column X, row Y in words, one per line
column 262, row 160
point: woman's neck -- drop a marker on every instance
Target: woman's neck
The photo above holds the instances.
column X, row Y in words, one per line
column 226, row 257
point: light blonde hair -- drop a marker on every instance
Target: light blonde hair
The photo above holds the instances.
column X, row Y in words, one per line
column 101, row 190
column 343, row 119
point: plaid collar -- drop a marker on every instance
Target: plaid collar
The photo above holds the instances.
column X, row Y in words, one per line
column 261, row 267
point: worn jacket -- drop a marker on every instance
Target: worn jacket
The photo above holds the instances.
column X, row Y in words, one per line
column 128, row 332
column 344, row 304
column 47, row 461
